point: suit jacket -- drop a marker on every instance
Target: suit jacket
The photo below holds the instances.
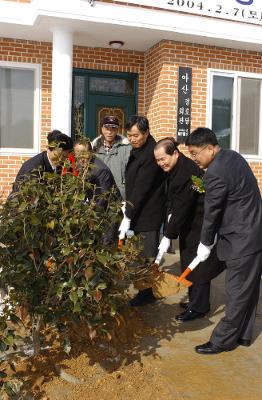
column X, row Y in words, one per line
column 233, row 207
column 186, row 207
column 145, row 189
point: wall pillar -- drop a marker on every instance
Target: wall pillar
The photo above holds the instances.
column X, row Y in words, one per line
column 62, row 80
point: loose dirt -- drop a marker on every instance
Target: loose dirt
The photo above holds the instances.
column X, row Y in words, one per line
column 119, row 369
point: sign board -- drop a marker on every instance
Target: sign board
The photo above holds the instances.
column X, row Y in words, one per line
column 184, row 103
column 236, row 10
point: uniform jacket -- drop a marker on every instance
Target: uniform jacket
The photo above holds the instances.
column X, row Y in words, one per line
column 232, row 207
column 145, row 189
column 186, row 207
column 116, row 159
column 34, row 166
column 101, row 176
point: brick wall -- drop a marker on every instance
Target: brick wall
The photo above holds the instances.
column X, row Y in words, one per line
column 161, row 84
column 157, row 69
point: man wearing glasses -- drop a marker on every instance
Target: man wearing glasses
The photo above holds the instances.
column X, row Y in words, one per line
column 233, row 212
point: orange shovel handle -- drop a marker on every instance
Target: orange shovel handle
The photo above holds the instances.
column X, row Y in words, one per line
column 184, row 274
column 182, row 278
column 120, row 244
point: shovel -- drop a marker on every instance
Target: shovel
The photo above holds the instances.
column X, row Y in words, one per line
column 167, row 284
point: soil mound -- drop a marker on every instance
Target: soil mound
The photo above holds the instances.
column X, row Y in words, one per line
column 98, row 369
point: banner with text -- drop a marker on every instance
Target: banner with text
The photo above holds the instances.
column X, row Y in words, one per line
column 235, row 10
column 184, row 103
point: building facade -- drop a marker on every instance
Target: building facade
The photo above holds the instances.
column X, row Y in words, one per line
column 182, row 63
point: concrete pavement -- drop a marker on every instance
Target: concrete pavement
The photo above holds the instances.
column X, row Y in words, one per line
column 235, row 375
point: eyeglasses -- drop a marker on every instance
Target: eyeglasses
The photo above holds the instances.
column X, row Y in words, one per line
column 195, row 155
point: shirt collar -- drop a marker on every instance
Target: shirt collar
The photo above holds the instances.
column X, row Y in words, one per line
column 50, row 162
column 107, row 147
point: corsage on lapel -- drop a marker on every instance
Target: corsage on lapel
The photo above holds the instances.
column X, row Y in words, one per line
column 198, row 184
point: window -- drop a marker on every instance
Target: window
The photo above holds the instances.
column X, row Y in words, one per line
column 19, row 107
column 235, row 111
column 111, row 85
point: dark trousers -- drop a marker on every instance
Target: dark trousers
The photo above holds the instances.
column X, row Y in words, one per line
column 150, row 243
column 199, row 295
column 110, row 237
column 242, row 285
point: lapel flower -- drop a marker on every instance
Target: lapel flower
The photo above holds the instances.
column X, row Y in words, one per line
column 198, row 184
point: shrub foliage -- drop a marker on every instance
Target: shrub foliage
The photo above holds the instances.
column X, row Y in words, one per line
column 54, row 260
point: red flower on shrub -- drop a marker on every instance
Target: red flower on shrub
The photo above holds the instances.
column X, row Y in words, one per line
column 73, row 168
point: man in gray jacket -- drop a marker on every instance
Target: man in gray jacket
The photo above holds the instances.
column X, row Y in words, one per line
column 113, row 149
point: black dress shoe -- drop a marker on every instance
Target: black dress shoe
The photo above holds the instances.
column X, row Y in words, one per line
column 244, row 342
column 184, row 304
column 189, row 315
column 208, row 348
column 143, row 298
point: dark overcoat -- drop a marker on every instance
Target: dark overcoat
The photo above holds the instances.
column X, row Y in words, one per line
column 186, row 207
column 145, row 189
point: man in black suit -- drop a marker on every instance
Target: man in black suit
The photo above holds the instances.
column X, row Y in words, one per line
column 233, row 211
column 145, row 195
column 51, row 160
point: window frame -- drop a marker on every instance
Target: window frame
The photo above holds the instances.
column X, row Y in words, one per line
column 36, row 110
column 211, row 72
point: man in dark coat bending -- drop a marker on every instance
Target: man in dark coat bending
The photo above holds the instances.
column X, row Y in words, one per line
column 185, row 210
column 233, row 211
column 145, row 195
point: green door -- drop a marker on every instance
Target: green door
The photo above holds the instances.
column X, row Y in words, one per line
column 99, row 106
column 96, row 94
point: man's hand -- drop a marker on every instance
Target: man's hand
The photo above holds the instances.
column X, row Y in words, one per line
column 124, row 227
column 164, row 245
column 203, row 252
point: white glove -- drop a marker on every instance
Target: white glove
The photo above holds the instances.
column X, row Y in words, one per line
column 203, row 252
column 169, row 216
column 164, row 245
column 124, row 227
column 123, row 208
